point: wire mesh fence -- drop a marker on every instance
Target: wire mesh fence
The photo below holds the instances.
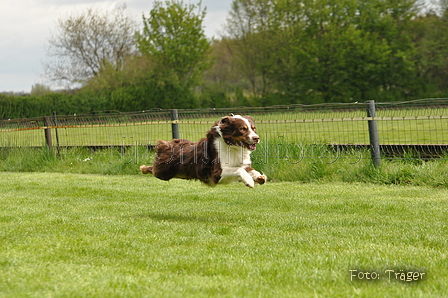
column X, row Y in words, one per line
column 412, row 129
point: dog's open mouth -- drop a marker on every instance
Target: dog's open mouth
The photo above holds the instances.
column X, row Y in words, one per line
column 251, row 147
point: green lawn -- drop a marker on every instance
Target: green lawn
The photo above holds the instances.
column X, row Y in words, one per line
column 71, row 235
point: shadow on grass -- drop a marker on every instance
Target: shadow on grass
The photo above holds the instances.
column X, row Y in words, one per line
column 172, row 217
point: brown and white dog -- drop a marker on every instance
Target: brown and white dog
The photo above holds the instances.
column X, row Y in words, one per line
column 223, row 156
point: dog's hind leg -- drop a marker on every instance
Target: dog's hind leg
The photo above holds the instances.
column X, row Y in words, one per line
column 146, row 169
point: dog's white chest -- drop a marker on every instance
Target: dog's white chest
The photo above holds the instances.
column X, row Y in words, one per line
column 231, row 156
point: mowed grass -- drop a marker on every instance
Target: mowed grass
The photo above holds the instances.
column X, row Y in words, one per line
column 73, row 235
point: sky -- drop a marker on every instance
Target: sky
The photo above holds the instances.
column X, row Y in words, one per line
column 26, row 26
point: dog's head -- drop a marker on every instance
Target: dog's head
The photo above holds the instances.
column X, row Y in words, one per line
column 237, row 130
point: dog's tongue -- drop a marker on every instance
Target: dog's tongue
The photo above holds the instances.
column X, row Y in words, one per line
column 252, row 147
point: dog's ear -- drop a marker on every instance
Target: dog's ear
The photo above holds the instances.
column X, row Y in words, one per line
column 249, row 118
column 225, row 120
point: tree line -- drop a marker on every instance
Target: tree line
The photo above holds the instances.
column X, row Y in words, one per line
column 272, row 52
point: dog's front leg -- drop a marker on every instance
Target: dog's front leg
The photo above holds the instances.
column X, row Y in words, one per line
column 257, row 176
column 233, row 174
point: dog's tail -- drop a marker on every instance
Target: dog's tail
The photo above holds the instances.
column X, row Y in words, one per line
column 146, row 169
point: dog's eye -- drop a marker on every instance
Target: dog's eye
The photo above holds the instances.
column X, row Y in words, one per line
column 244, row 128
column 253, row 128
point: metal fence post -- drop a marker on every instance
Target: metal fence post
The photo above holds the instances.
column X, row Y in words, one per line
column 47, row 131
column 373, row 133
column 175, row 124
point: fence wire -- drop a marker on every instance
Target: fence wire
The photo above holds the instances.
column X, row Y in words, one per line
column 419, row 127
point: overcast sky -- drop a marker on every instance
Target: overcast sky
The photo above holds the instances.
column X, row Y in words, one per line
column 26, row 25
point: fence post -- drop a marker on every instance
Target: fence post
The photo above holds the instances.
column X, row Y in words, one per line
column 57, row 135
column 47, row 131
column 175, row 124
column 373, row 134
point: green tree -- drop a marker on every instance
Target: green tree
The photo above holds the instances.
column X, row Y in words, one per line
column 173, row 54
column 252, row 29
column 173, row 38
column 325, row 51
column 431, row 38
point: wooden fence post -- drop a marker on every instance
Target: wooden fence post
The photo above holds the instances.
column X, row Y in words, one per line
column 57, row 135
column 47, row 131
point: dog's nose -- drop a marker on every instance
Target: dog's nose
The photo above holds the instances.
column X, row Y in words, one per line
column 256, row 139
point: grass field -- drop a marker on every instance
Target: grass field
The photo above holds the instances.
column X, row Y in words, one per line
column 72, row 235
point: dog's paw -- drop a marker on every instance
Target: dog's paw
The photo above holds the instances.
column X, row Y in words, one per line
column 146, row 169
column 261, row 179
column 248, row 182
